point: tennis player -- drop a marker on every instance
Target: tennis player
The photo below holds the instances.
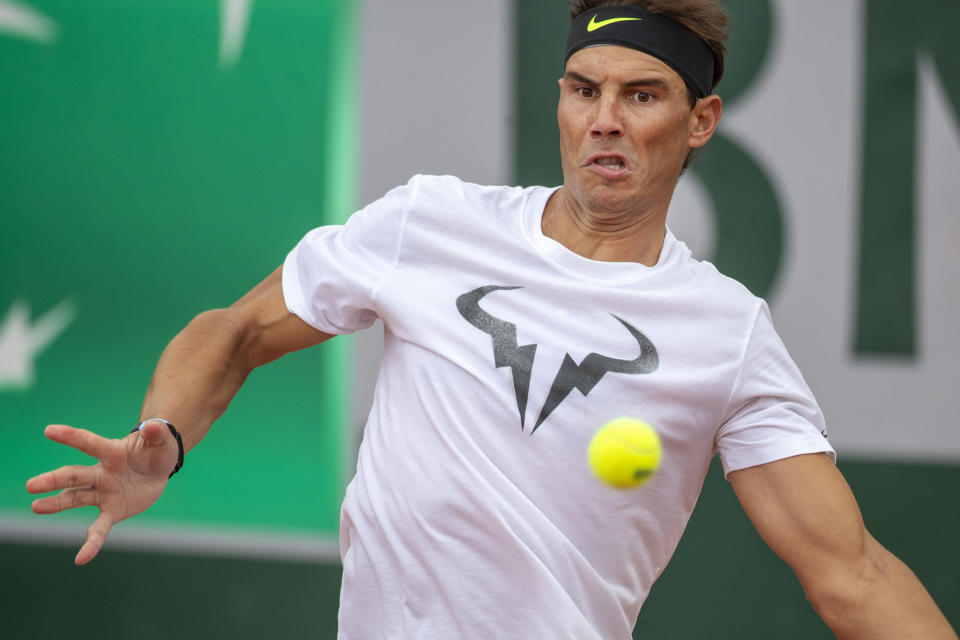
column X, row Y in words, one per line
column 517, row 321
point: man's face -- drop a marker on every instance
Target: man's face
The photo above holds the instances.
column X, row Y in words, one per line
column 625, row 129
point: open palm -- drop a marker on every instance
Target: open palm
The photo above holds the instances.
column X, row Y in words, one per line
column 129, row 477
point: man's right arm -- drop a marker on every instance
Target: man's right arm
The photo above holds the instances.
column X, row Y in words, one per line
column 205, row 365
column 198, row 375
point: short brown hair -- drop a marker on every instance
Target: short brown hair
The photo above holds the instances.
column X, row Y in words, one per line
column 706, row 18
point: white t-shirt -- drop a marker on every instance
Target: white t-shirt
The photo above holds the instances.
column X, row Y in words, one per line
column 473, row 512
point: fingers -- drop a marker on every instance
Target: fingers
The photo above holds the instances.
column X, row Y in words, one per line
column 96, row 536
column 66, row 499
column 86, row 441
column 63, row 478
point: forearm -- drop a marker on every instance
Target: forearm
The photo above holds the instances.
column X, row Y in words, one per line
column 198, row 375
column 805, row 511
column 881, row 599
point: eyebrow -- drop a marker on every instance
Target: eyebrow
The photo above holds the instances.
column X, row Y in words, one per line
column 658, row 83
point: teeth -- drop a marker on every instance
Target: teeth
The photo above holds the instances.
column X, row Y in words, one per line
column 609, row 162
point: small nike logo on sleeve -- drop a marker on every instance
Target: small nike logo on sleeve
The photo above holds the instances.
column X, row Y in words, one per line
column 594, row 25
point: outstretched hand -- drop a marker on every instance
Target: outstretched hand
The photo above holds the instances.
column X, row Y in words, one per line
column 129, row 477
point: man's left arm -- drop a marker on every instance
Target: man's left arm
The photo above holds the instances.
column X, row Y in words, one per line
column 804, row 510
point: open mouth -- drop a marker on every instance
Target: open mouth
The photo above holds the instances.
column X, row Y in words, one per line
column 610, row 163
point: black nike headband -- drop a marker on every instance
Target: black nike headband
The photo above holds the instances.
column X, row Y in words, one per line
column 636, row 28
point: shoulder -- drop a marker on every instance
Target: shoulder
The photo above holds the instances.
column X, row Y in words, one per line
column 704, row 280
column 427, row 189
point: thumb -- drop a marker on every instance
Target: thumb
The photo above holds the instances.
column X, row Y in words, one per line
column 155, row 451
column 154, row 433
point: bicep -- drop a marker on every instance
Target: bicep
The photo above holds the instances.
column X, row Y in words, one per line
column 268, row 327
column 804, row 510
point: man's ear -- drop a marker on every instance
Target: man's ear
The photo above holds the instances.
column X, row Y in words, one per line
column 704, row 119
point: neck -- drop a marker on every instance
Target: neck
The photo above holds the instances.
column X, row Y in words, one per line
column 635, row 236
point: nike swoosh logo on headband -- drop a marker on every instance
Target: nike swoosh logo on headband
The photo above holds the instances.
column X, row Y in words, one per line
column 594, row 25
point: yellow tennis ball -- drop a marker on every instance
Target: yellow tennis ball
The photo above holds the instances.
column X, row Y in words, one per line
column 624, row 453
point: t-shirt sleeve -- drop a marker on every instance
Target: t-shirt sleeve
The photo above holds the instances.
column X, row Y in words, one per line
column 331, row 276
column 772, row 413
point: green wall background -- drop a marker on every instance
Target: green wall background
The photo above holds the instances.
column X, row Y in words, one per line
column 142, row 183
column 145, row 177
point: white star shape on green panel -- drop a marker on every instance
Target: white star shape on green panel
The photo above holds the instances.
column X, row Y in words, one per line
column 21, row 341
column 234, row 22
column 21, row 21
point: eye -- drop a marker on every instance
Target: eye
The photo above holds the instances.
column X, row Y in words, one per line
column 642, row 97
column 585, row 92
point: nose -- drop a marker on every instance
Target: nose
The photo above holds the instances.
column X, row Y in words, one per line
column 607, row 123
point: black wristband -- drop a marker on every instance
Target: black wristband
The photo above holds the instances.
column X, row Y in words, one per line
column 176, row 434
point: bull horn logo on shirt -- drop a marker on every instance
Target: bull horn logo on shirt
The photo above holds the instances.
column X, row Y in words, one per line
column 584, row 376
